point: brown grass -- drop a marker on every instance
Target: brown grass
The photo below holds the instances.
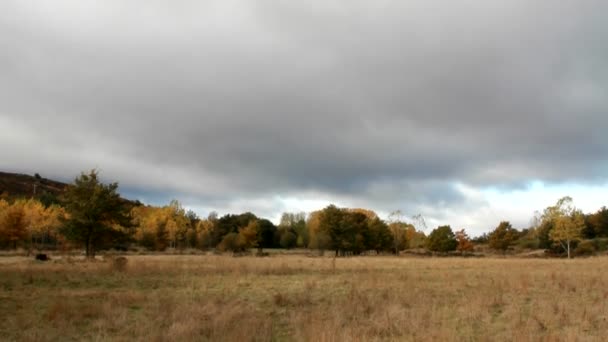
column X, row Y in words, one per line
column 290, row 297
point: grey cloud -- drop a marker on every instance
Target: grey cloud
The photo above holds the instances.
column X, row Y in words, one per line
column 240, row 100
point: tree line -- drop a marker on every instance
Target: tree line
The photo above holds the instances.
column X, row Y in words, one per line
column 92, row 216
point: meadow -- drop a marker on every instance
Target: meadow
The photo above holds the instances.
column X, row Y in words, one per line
column 304, row 298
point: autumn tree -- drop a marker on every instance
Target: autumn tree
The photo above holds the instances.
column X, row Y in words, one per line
column 96, row 213
column 248, row 235
column 343, row 228
column 569, row 223
column 228, row 224
column 503, row 236
column 568, row 228
column 245, row 239
column 13, row 226
column 42, row 222
column 354, row 233
column 442, row 239
column 330, row 223
column 203, row 233
column 464, row 242
column 29, row 223
column 562, row 224
column 317, row 239
column 266, row 235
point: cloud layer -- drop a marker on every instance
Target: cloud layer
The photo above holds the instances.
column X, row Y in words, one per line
column 233, row 104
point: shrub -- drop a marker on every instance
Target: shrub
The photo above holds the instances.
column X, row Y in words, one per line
column 229, row 242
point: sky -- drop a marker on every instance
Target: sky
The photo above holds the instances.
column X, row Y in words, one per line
column 466, row 112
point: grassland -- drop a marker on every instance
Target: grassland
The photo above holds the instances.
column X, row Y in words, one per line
column 301, row 298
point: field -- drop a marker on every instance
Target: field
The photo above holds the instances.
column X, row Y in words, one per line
column 304, row 298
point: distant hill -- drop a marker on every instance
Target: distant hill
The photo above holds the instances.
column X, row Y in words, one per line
column 14, row 185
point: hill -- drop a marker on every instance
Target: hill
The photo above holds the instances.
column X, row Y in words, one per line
column 14, row 185
column 47, row 191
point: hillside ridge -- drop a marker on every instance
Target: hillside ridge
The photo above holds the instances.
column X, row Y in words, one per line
column 23, row 185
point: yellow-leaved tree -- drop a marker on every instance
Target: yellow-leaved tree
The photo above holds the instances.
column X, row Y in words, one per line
column 568, row 223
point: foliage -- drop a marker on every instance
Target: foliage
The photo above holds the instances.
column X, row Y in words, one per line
column 13, row 226
column 503, row 236
column 266, row 234
column 596, row 224
column 29, row 223
column 97, row 216
column 229, row 224
column 93, row 215
column 288, row 240
column 239, row 242
column 562, row 223
column 293, row 224
column 351, row 231
column 568, row 229
column 442, row 239
column 170, row 226
column 464, row 242
column 380, row 237
column 585, row 247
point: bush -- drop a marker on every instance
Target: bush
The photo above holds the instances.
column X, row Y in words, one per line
column 528, row 243
column 229, row 243
column 586, row 247
column 601, row 244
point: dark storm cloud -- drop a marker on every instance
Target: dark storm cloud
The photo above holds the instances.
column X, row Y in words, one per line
column 373, row 102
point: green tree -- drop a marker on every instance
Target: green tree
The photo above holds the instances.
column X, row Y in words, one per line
column 330, row 223
column 380, row 237
column 294, row 223
column 597, row 224
column 503, row 236
column 442, row 239
column 96, row 213
column 288, row 240
column 266, row 233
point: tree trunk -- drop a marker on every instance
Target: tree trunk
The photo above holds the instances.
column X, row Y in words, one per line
column 90, row 251
column 568, row 242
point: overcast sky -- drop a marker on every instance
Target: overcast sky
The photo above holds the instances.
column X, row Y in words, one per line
column 468, row 112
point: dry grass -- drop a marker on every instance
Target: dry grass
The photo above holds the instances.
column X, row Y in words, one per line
column 289, row 297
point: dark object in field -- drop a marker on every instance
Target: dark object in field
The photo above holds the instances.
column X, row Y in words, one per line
column 42, row 257
column 119, row 264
